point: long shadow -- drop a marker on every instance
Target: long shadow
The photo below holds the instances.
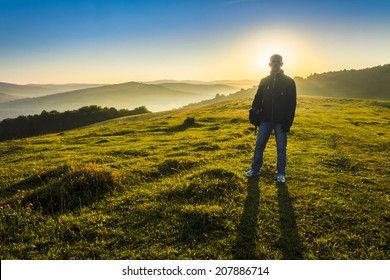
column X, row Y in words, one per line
column 245, row 248
column 290, row 241
column 34, row 181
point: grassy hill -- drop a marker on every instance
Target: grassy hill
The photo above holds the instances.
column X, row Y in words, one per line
column 157, row 187
column 242, row 93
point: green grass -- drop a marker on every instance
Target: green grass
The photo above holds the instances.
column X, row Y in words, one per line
column 157, row 187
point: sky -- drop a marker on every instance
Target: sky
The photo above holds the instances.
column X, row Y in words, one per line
column 85, row 41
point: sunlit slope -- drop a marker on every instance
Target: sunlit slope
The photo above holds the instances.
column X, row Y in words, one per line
column 157, row 187
column 370, row 83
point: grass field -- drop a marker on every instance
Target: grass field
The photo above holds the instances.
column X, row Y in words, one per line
column 153, row 187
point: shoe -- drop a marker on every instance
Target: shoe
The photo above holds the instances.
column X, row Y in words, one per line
column 251, row 173
column 280, row 178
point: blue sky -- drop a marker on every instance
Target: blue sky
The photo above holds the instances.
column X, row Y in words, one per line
column 118, row 41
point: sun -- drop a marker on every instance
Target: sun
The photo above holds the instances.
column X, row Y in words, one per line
column 250, row 55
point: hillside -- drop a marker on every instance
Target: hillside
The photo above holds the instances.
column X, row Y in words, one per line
column 243, row 93
column 6, row 97
column 59, row 88
column 157, row 187
column 370, row 83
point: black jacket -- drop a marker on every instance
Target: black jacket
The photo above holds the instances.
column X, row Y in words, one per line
column 276, row 98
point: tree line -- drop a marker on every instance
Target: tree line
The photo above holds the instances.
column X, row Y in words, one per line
column 53, row 121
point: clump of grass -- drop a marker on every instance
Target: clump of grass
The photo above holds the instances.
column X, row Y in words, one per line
column 238, row 120
column 128, row 153
column 341, row 164
column 72, row 188
column 103, row 141
column 189, row 121
column 206, row 146
column 244, row 147
column 215, row 127
column 171, row 166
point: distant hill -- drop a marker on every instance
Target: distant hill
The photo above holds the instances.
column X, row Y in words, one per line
column 7, row 97
column 23, row 90
column 36, row 90
column 238, row 84
column 370, row 83
column 58, row 88
column 207, row 90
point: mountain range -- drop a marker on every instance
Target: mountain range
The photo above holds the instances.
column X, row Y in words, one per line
column 13, row 91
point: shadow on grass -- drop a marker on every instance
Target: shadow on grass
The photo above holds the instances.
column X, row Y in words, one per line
column 62, row 189
column 290, row 241
column 245, row 248
column 181, row 127
column 35, row 181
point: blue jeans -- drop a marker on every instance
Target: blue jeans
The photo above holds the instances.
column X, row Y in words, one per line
column 263, row 135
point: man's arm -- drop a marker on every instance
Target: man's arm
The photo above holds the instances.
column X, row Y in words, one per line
column 258, row 101
column 292, row 104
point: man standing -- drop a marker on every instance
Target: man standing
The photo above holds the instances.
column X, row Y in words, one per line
column 275, row 101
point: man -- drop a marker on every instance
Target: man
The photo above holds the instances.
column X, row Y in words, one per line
column 276, row 101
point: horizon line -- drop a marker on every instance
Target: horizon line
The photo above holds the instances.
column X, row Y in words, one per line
column 182, row 80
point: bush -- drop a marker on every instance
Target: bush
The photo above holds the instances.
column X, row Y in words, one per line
column 171, row 166
column 189, row 121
